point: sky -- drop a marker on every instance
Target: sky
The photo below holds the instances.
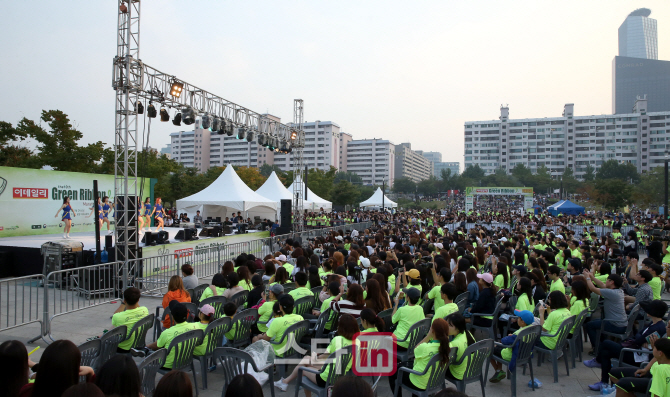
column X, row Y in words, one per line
column 399, row 70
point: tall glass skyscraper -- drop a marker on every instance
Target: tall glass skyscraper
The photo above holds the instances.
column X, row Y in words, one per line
column 637, row 36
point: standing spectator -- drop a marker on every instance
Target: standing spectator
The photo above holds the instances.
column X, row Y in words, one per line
column 613, row 303
column 189, row 279
column 197, row 219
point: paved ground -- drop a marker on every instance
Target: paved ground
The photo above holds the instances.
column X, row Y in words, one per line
column 79, row 326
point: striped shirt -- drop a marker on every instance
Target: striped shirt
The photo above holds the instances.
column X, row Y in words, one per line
column 346, row 307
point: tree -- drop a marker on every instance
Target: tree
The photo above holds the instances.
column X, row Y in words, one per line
column 542, row 181
column 650, row 190
column 500, row 179
column 267, row 169
column 251, row 176
column 345, row 193
column 428, row 186
column 522, row 174
column 570, row 183
column 589, row 173
column 404, row 185
column 611, row 169
column 11, row 154
column 321, row 182
column 348, row 176
column 474, row 172
column 613, row 194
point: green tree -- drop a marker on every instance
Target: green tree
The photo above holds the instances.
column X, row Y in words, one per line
column 365, row 191
column 589, row 173
column 321, row 182
column 650, row 190
column 474, row 172
column 542, row 181
column 345, row 193
column 428, row 186
column 348, row 176
column 613, row 194
column 611, row 169
column 267, row 169
column 404, row 185
column 570, row 183
column 522, row 174
column 12, row 154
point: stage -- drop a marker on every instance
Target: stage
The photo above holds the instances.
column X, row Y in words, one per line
column 21, row 256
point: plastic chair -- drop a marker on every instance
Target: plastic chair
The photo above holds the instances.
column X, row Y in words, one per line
column 526, row 339
column 158, row 321
column 337, row 364
column 109, row 342
column 463, row 296
column 192, row 311
column 620, row 363
column 303, row 305
column 236, row 362
column 197, row 293
column 89, row 354
column 560, row 349
column 435, row 370
column 138, row 334
column 319, row 329
column 183, row 346
column 575, row 343
column 593, row 306
column 148, row 369
column 316, row 291
column 386, row 315
column 217, row 303
column 239, row 298
column 462, row 305
column 474, row 356
column 291, row 337
column 632, row 317
column 241, row 326
column 215, row 331
column 428, row 306
column 491, row 329
column 415, row 334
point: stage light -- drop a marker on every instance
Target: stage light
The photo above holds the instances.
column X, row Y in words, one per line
column 261, row 139
column 188, row 116
column 250, row 136
column 229, row 128
column 241, row 133
column 294, row 134
column 139, row 108
column 177, row 119
column 175, row 91
column 151, row 111
column 205, row 121
column 165, row 116
column 216, row 124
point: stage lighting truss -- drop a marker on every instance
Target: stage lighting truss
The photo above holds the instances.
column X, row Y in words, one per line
column 165, row 116
column 262, row 140
column 151, row 111
column 188, row 116
column 176, row 89
column 205, row 121
column 176, row 120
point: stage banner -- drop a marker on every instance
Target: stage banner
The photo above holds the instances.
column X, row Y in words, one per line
column 29, row 200
column 498, row 190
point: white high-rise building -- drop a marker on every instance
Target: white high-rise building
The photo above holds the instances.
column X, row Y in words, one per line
column 411, row 164
column 322, row 147
column 638, row 37
column 454, row 167
column 372, row 159
column 570, row 141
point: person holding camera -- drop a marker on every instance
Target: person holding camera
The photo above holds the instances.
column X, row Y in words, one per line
column 613, row 305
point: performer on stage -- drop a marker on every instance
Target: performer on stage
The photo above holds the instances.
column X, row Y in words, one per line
column 99, row 213
column 68, row 213
column 140, row 214
column 106, row 209
column 160, row 214
column 147, row 212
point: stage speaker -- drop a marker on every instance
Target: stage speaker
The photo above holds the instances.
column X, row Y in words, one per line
column 97, row 280
column 217, row 231
column 109, row 242
column 207, row 232
column 282, row 230
column 187, row 234
column 285, row 220
column 162, row 237
column 149, row 238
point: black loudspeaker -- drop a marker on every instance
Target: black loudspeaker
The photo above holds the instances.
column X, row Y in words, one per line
column 285, row 220
column 207, row 232
column 218, row 219
column 109, row 242
column 282, row 230
column 187, row 234
column 162, row 237
column 149, row 238
column 217, row 231
column 97, row 280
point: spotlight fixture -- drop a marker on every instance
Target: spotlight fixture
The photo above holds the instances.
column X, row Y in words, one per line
column 229, row 128
column 188, row 116
column 294, row 134
column 261, row 140
column 177, row 119
column 175, row 91
column 216, row 124
column 139, row 108
column 165, row 116
column 250, row 135
column 241, row 133
column 205, row 121
column 151, row 111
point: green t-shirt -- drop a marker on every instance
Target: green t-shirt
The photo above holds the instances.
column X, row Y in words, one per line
column 336, row 344
column 171, row 333
column 422, row 355
column 660, row 380
column 129, row 318
column 523, row 303
column 373, row 329
column 506, row 353
column 325, row 306
column 436, row 294
column 655, row 284
column 552, row 324
column 576, row 253
column 445, row 310
column 200, row 350
column 264, row 315
column 576, row 307
column 300, row 292
column 406, row 316
column 289, row 267
column 230, row 335
column 557, row 285
column 499, row 281
column 277, row 329
column 246, row 285
column 601, row 277
column 208, row 292
column 461, row 342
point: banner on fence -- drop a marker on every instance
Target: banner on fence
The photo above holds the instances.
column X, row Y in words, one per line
column 29, row 200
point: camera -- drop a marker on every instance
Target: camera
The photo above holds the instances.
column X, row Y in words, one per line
column 658, row 234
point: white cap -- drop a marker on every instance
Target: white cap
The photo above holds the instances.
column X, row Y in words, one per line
column 281, row 258
column 365, row 262
column 439, row 245
column 559, row 236
column 339, row 238
column 503, row 239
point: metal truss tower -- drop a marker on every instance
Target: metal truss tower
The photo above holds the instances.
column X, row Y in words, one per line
column 298, row 170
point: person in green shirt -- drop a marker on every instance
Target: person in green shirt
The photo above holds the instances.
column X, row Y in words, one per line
column 218, row 287
column 229, row 310
column 660, row 372
column 557, row 307
column 371, row 322
column 448, row 293
column 279, row 325
column 440, row 280
column 179, row 313
column 656, row 270
column 301, row 291
column 128, row 314
column 205, row 316
column 462, row 338
column 579, row 301
column 525, row 318
column 555, row 277
column 435, row 342
column 407, row 315
column 265, row 311
column 347, row 327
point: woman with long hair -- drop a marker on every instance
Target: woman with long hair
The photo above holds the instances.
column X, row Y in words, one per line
column 501, row 279
column 58, row 370
column 227, row 268
column 375, row 299
column 579, row 301
column 301, row 265
column 326, row 267
column 245, row 277
column 176, row 292
column 480, row 257
column 352, row 305
column 313, row 279
column 435, row 342
column 371, row 322
column 557, row 307
column 462, row 338
column 280, row 277
column 66, row 218
column 486, row 302
column 160, row 214
column 269, row 270
column 119, row 377
column 140, row 215
column 13, row 368
column 106, row 209
column 473, row 286
column 338, row 258
column 384, row 285
column 461, row 283
column 147, row 213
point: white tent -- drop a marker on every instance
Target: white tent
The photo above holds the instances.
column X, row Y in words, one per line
column 376, row 200
column 317, row 202
column 274, row 190
column 227, row 195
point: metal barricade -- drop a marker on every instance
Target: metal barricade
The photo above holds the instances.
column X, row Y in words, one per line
column 21, row 302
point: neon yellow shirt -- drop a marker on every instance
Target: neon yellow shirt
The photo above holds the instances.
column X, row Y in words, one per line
column 129, row 318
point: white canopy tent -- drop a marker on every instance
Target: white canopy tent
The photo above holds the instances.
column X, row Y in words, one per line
column 317, row 202
column 274, row 190
column 227, row 195
column 376, row 200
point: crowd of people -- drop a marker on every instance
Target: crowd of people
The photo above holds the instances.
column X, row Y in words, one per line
column 508, row 271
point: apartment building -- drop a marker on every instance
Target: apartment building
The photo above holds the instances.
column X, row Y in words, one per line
column 411, row 164
column 372, row 159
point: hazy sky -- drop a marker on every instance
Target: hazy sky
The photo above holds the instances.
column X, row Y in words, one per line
column 401, row 70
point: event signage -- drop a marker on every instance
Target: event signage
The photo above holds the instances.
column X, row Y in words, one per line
column 527, row 192
column 29, row 199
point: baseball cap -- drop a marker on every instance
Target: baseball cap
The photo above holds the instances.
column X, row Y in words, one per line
column 207, row 310
column 487, row 277
column 525, row 315
column 281, row 258
column 412, row 293
column 439, row 246
column 503, row 239
column 521, row 269
column 277, row 289
column 656, row 308
column 414, row 274
column 178, row 311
